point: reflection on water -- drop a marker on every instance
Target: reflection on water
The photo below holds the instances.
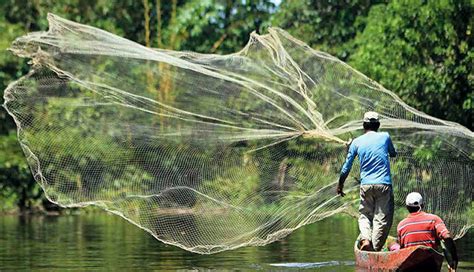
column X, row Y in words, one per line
column 313, row 265
column 106, row 242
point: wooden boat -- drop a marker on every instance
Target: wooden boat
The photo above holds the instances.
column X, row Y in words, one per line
column 417, row 258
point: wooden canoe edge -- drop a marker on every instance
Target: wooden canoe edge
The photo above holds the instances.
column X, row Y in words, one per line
column 407, row 259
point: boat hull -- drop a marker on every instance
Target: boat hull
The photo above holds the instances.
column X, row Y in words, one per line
column 419, row 258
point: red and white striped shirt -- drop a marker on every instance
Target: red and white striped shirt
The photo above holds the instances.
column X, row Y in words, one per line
column 421, row 228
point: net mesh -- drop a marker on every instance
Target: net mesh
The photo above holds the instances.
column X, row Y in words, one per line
column 214, row 152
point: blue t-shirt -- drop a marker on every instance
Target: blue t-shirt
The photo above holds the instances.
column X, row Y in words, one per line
column 373, row 149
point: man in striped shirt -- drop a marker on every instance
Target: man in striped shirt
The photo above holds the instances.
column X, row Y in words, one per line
column 425, row 229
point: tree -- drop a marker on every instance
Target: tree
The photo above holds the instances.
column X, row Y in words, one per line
column 206, row 26
column 327, row 25
column 423, row 51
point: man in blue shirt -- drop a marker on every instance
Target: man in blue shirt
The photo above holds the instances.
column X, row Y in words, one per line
column 376, row 196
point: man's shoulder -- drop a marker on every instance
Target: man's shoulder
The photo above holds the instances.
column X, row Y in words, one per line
column 433, row 216
column 403, row 222
column 417, row 218
column 428, row 216
column 383, row 134
column 369, row 138
column 358, row 140
column 374, row 133
column 383, row 137
column 363, row 137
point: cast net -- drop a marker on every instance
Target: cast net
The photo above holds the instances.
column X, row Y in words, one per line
column 214, row 152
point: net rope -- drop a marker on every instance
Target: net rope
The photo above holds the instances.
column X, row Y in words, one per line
column 214, row 152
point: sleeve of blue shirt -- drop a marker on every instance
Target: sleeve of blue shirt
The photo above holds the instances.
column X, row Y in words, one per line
column 351, row 154
column 391, row 149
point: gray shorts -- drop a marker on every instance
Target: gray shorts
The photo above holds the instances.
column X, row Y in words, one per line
column 376, row 213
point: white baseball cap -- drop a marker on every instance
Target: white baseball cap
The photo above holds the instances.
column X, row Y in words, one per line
column 414, row 199
column 371, row 116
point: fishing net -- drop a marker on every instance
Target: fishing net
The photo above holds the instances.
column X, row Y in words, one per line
column 214, row 152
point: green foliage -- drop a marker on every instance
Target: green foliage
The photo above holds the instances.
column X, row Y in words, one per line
column 221, row 26
column 192, row 25
column 426, row 154
column 238, row 192
column 17, row 186
column 310, row 175
column 423, row 51
column 326, row 25
column 12, row 67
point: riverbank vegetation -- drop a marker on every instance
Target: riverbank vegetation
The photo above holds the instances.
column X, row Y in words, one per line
column 421, row 51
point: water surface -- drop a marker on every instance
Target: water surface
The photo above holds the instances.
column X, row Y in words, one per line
column 99, row 241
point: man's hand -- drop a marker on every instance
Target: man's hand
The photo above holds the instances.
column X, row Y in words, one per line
column 339, row 190
column 452, row 265
column 340, row 185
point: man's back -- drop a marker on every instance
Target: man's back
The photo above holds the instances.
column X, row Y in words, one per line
column 373, row 149
column 421, row 228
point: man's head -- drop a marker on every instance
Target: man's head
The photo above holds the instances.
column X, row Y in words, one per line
column 371, row 121
column 414, row 202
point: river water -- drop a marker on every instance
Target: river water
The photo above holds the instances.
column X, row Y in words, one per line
column 99, row 241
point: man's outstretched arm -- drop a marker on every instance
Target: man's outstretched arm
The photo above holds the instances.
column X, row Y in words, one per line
column 450, row 248
column 451, row 253
column 346, row 168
